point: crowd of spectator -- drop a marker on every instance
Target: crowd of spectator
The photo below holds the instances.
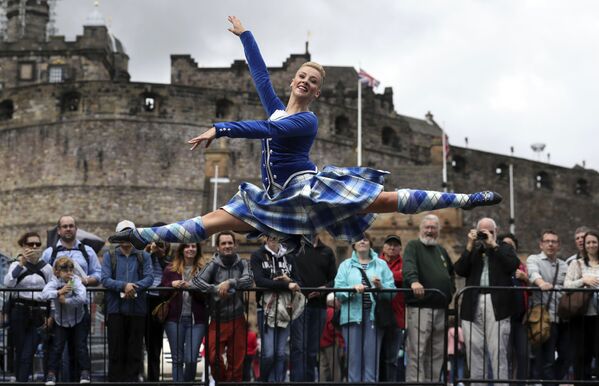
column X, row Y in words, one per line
column 314, row 320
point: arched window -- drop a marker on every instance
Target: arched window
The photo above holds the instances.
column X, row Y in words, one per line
column 70, row 101
column 149, row 102
column 7, row 108
column 389, row 137
column 458, row 164
column 582, row 187
column 224, row 108
column 342, row 126
column 501, row 171
column 543, row 181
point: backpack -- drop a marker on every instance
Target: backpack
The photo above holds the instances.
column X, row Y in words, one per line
column 33, row 270
column 80, row 248
column 140, row 263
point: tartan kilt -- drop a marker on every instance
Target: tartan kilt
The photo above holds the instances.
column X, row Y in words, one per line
column 328, row 200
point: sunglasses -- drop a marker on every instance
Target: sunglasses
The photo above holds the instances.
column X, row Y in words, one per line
column 159, row 244
column 33, row 244
column 66, row 268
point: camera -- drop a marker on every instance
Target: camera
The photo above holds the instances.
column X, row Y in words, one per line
column 481, row 236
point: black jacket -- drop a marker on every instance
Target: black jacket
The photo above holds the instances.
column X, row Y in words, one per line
column 503, row 262
column 266, row 267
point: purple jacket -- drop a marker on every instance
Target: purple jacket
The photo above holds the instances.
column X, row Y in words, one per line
column 198, row 305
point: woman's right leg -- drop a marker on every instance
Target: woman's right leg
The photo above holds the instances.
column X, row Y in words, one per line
column 192, row 230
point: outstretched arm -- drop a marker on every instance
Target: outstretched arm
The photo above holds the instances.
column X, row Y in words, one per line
column 258, row 69
column 297, row 125
column 237, row 28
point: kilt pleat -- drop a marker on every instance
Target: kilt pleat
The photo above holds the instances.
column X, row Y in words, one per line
column 328, row 200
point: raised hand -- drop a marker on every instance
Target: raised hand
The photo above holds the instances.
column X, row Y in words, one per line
column 237, row 28
column 207, row 137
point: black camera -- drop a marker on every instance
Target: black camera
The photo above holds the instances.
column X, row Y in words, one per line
column 481, row 236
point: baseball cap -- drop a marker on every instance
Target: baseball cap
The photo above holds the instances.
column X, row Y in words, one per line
column 125, row 224
column 392, row 238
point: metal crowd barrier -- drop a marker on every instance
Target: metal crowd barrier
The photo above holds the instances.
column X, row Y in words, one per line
column 503, row 352
column 579, row 347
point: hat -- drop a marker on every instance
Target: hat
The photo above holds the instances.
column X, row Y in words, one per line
column 392, row 237
column 125, row 224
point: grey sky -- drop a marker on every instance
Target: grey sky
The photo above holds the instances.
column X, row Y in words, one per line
column 502, row 73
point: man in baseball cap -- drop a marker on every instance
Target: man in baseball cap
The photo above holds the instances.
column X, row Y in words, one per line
column 392, row 368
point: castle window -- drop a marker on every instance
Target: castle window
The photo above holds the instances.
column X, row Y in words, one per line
column 56, row 74
column 582, row 187
column 149, row 103
column 389, row 137
column 501, row 171
column 26, row 71
column 542, row 181
column 458, row 164
column 341, row 125
column 7, row 108
column 70, row 101
column 224, row 108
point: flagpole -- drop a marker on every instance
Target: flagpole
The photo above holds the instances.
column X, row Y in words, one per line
column 359, row 146
column 444, row 145
column 512, row 211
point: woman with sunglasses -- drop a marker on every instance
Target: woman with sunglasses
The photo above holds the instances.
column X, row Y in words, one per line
column 28, row 312
column 187, row 316
column 68, row 293
column 296, row 199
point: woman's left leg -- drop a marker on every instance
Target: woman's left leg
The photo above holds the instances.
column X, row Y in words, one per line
column 193, row 339
column 411, row 201
column 192, row 230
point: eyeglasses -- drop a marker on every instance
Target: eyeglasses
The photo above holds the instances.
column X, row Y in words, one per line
column 33, row 244
column 66, row 268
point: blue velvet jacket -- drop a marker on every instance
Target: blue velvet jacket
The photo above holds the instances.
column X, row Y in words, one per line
column 286, row 139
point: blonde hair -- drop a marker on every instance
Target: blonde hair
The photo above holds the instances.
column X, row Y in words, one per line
column 60, row 261
column 318, row 67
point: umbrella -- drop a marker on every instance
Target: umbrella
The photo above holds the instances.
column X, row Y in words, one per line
column 87, row 238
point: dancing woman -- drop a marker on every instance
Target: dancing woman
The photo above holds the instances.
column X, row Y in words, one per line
column 297, row 199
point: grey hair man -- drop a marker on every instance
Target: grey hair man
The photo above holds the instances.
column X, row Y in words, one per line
column 579, row 240
column 426, row 266
column 486, row 313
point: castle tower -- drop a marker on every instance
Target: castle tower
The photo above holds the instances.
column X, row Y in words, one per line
column 27, row 19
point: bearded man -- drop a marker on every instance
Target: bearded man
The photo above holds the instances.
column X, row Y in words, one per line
column 426, row 266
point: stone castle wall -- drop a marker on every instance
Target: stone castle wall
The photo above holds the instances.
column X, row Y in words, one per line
column 92, row 146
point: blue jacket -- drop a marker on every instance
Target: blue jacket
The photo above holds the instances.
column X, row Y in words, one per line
column 126, row 272
column 348, row 275
column 286, row 139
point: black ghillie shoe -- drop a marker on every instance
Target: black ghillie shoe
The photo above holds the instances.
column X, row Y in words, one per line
column 484, row 198
column 128, row 236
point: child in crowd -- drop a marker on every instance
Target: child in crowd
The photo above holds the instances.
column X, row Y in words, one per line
column 68, row 296
column 455, row 357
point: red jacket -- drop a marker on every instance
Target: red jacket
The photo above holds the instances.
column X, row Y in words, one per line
column 330, row 333
column 398, row 304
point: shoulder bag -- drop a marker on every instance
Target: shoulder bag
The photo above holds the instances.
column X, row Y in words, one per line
column 538, row 319
column 575, row 303
column 160, row 312
column 383, row 310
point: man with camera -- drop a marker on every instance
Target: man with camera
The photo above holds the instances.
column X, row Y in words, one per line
column 486, row 312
